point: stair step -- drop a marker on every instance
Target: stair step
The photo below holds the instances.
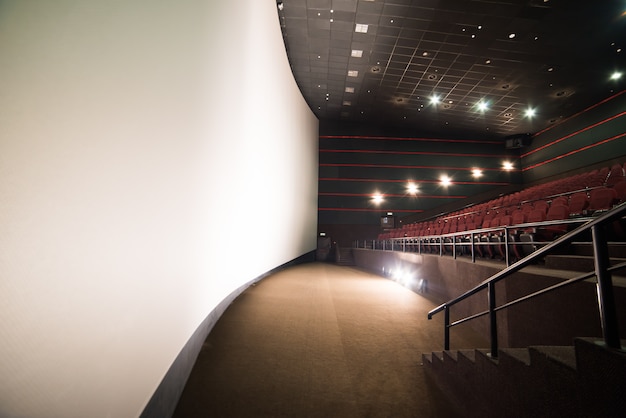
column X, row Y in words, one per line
column 559, row 355
column 515, row 355
column 583, row 380
column 616, row 249
column 582, row 263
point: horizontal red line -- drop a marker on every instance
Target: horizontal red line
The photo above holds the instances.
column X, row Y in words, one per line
column 393, row 138
column 581, row 112
column 573, row 134
column 493, row 183
column 368, row 195
column 370, row 210
column 567, row 154
column 406, row 166
column 446, row 154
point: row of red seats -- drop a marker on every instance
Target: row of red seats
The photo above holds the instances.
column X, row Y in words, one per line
column 575, row 196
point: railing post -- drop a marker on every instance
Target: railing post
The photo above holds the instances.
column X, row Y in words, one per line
column 446, row 328
column 506, row 246
column 454, row 247
column 472, row 247
column 493, row 324
column 606, row 300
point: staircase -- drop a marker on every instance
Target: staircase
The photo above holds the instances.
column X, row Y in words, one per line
column 584, row 380
column 345, row 257
column 579, row 257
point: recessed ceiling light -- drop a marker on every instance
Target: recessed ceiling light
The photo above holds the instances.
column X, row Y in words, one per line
column 530, row 112
column 360, row 28
column 347, row 103
column 377, row 198
column 353, row 73
column 357, row 53
column 616, row 75
column 511, row 35
column 332, row 20
column 550, row 69
column 319, row 56
column 424, row 54
column 332, row 11
column 507, row 165
column 412, row 188
column 349, row 89
column 480, row 27
column 319, row 14
column 473, row 36
column 482, row 106
column 487, row 61
column 391, row 21
column 477, row 172
column 435, row 100
column 445, row 180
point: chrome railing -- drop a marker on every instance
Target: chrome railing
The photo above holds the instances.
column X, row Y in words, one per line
column 469, row 240
column 602, row 272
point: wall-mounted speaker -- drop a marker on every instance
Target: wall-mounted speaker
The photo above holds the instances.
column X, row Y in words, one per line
column 517, row 141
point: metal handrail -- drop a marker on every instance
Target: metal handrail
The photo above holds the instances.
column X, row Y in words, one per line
column 409, row 241
column 606, row 302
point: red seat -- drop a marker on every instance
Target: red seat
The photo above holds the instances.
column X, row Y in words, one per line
column 615, row 175
column 556, row 213
column 578, row 203
column 601, row 199
column 620, row 191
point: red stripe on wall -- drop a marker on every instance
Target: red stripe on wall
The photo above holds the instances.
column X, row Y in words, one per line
column 406, row 181
column 556, row 141
column 581, row 112
column 406, row 166
column 390, row 138
column 447, row 154
column 567, row 154
column 368, row 195
column 370, row 210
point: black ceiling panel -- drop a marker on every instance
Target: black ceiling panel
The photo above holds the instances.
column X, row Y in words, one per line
column 556, row 55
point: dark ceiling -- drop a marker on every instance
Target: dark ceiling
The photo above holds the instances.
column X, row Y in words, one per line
column 555, row 56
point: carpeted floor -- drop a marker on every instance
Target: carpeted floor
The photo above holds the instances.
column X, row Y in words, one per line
column 319, row 340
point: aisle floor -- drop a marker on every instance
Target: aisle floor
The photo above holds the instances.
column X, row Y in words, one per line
column 320, row 340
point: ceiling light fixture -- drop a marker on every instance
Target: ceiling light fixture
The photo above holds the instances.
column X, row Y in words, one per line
column 477, row 172
column 511, row 35
column 482, row 106
column 360, row 28
column 349, row 90
column 507, row 165
column 530, row 112
column 377, row 198
column 353, row 73
column 445, row 180
column 434, row 100
column 616, row 75
column 357, row 53
column 412, row 188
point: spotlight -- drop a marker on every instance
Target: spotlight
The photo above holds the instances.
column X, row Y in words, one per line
column 507, row 165
column 445, row 180
column 434, row 100
column 377, row 198
column 530, row 112
column 616, row 75
column 482, row 106
column 477, row 172
column 412, row 188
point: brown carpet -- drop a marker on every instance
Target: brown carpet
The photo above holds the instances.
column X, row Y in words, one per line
column 319, row 340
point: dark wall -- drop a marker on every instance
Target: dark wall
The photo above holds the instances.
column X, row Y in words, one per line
column 587, row 139
column 354, row 166
column 357, row 161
